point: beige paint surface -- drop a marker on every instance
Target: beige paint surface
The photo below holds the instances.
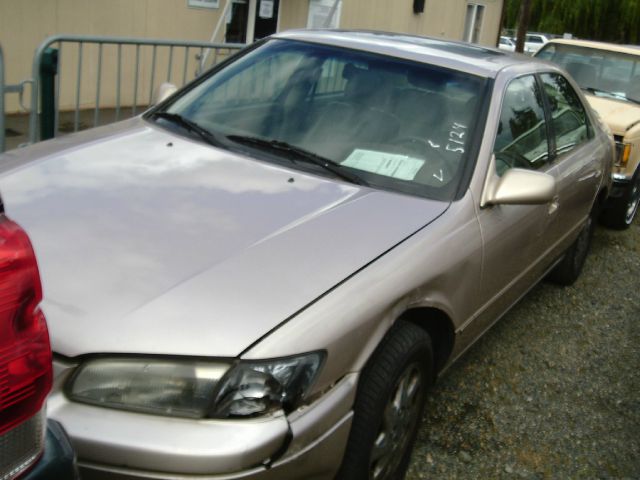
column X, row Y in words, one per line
column 24, row 24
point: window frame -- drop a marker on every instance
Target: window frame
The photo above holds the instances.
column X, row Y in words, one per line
column 553, row 152
column 533, row 38
column 553, row 155
column 545, row 112
column 468, row 36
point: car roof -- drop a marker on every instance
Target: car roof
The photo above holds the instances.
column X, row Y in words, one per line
column 632, row 49
column 466, row 57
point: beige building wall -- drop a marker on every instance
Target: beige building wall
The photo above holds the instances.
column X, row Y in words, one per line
column 441, row 18
column 24, row 24
column 293, row 14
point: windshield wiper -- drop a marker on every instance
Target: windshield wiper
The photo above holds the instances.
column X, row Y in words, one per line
column 190, row 126
column 296, row 153
column 621, row 96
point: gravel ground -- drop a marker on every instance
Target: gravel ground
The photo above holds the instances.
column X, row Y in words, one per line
column 553, row 389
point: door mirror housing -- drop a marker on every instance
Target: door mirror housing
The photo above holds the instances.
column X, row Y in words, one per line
column 518, row 187
column 164, row 91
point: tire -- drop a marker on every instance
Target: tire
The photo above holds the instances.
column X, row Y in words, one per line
column 388, row 406
column 621, row 211
column 570, row 267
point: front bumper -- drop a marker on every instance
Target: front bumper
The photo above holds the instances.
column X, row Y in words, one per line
column 114, row 444
column 621, row 182
column 58, row 460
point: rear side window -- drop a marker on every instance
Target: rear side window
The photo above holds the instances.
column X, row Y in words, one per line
column 522, row 140
column 569, row 118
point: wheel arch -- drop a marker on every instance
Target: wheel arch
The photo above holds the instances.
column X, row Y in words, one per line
column 439, row 327
column 601, row 198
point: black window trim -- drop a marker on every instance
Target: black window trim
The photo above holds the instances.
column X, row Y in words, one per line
column 553, row 153
column 534, row 74
column 546, row 106
column 482, row 116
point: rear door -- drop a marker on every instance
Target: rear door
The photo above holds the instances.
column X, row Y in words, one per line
column 576, row 153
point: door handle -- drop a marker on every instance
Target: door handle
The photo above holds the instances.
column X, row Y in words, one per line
column 553, row 206
column 590, row 175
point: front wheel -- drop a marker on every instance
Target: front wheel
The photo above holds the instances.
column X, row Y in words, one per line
column 622, row 210
column 388, row 407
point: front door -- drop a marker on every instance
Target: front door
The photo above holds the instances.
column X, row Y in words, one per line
column 516, row 238
column 251, row 20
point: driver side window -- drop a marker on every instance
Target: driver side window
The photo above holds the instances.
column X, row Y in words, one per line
column 522, row 140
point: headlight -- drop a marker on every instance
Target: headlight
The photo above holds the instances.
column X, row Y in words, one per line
column 256, row 388
column 179, row 388
column 195, row 389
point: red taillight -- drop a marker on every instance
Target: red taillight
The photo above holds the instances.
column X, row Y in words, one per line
column 25, row 353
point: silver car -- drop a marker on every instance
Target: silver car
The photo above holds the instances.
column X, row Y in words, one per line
column 262, row 275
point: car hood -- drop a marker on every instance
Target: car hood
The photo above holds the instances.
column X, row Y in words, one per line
column 620, row 115
column 152, row 243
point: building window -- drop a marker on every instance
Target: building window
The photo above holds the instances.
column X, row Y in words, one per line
column 473, row 23
column 324, row 13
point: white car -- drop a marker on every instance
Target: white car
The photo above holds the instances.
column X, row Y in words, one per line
column 507, row 44
column 534, row 42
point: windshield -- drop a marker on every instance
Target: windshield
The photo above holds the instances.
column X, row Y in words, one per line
column 387, row 122
column 601, row 72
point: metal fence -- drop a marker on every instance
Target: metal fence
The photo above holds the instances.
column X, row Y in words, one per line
column 4, row 90
column 109, row 77
column 122, row 73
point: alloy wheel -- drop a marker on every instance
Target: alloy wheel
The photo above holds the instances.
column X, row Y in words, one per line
column 634, row 201
column 401, row 416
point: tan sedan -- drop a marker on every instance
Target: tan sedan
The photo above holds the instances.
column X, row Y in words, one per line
column 262, row 276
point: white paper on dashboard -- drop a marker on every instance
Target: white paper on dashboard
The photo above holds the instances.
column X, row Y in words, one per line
column 392, row 165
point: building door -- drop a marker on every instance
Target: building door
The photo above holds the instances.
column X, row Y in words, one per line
column 266, row 22
column 251, row 20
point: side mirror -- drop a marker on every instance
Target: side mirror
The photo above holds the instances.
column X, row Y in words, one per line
column 162, row 92
column 519, row 187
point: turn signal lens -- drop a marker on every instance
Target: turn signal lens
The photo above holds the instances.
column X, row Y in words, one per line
column 25, row 354
column 623, row 152
column 626, row 153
